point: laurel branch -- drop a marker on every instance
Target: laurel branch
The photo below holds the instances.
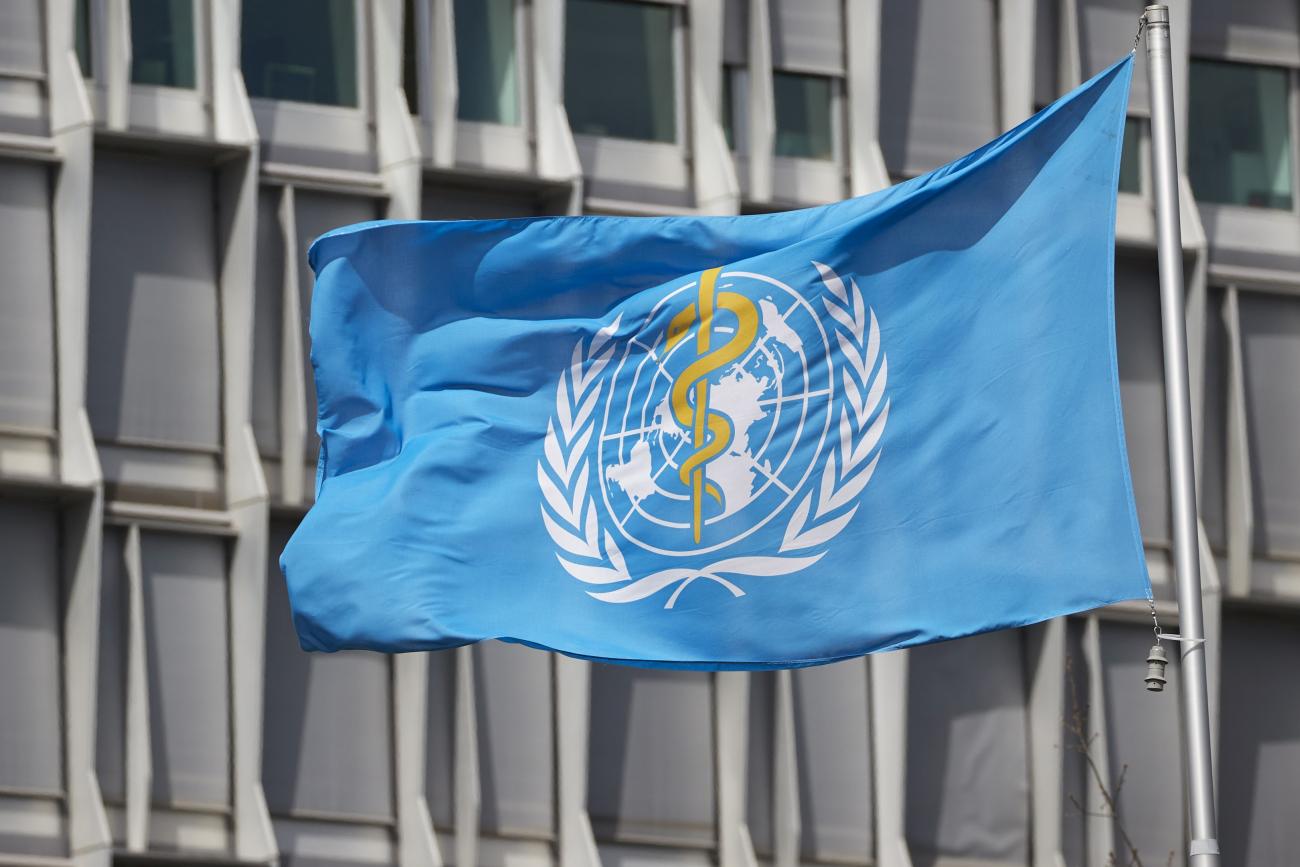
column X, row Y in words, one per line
column 570, row 512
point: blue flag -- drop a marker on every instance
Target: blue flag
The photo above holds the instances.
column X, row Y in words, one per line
column 731, row 442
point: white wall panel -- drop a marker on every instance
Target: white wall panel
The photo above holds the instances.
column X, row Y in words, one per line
column 1257, row 31
column 933, row 112
column 1260, row 735
column 26, row 293
column 967, row 734
column 30, row 724
column 154, row 371
column 1270, row 335
column 22, row 36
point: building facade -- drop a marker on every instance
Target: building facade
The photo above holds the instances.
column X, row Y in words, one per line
column 163, row 166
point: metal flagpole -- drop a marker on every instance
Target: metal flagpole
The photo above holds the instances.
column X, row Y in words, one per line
column 1204, row 847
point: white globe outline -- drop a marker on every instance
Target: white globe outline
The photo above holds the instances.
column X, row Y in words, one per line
column 612, row 376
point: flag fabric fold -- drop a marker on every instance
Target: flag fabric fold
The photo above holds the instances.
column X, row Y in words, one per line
column 730, row 442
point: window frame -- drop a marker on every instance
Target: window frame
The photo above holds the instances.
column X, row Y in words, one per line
column 488, row 144
column 306, row 125
column 167, row 109
column 627, row 163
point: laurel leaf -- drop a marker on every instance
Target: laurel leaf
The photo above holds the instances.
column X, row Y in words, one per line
column 575, row 369
column 859, row 316
column 877, row 388
column 854, row 399
column 576, row 452
column 797, row 521
column 832, row 281
column 853, row 487
column 562, row 410
column 822, row 533
column 565, row 539
column 615, row 555
column 873, row 344
column 579, row 494
column 597, row 365
column 593, row 530
column 584, row 410
column 644, row 587
column 846, row 439
column 554, row 457
column 762, row 566
column 603, row 335
column 871, row 437
column 553, row 496
column 591, row 574
column 828, row 474
column 851, row 353
column 841, row 315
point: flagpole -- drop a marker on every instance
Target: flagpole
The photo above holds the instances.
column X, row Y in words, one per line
column 1204, row 845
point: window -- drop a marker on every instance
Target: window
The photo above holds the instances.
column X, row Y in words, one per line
column 1239, row 145
column 803, row 115
column 1130, row 158
column 619, row 76
column 301, row 50
column 82, row 36
column 410, row 57
column 486, row 62
column 162, row 42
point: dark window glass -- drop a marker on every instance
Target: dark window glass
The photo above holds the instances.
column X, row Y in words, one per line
column 728, row 107
column 1239, row 142
column 486, row 66
column 162, row 42
column 84, row 56
column 803, row 115
column 410, row 58
column 618, row 70
column 301, row 50
column 1130, row 158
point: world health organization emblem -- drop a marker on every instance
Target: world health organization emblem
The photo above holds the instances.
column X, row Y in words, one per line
column 736, row 418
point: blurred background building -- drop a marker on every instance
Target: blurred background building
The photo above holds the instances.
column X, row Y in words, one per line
column 163, row 166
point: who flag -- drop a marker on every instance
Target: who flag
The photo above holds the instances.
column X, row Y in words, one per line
column 730, row 442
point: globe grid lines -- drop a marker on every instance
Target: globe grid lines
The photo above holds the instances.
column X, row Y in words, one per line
column 822, row 340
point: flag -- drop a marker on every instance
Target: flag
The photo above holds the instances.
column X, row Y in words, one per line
column 730, row 442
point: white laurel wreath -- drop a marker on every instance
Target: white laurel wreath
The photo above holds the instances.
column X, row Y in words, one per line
column 570, row 512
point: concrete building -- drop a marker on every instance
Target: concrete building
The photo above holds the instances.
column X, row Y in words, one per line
column 163, row 165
